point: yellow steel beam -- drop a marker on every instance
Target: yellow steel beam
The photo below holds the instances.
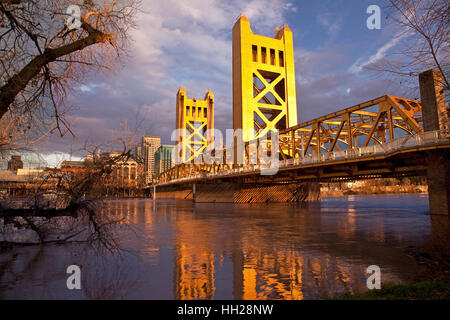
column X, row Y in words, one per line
column 194, row 118
column 263, row 78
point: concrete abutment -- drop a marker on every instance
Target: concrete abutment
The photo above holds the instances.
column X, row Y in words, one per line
column 436, row 117
column 242, row 193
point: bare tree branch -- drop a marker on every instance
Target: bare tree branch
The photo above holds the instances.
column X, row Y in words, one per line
column 425, row 44
column 41, row 58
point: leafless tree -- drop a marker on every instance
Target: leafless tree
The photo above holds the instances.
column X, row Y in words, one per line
column 16, row 134
column 76, row 194
column 425, row 44
column 43, row 56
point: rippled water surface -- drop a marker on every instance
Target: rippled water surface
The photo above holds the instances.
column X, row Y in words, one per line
column 182, row 250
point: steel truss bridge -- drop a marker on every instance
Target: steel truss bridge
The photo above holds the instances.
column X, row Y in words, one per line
column 383, row 137
column 281, row 160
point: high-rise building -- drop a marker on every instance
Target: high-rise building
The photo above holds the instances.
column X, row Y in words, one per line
column 149, row 146
column 163, row 159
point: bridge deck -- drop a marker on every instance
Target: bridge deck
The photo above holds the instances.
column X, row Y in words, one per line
column 399, row 157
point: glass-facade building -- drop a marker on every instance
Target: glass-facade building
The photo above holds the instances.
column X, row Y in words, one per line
column 163, row 158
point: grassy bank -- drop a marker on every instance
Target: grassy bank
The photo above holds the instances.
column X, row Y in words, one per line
column 438, row 289
column 432, row 281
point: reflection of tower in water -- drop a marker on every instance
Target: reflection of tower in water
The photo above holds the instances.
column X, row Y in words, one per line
column 271, row 259
column 267, row 266
column 268, row 276
column 290, row 274
column 194, row 262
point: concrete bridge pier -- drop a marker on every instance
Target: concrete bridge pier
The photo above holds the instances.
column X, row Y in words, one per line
column 236, row 192
column 436, row 117
column 438, row 177
column 256, row 193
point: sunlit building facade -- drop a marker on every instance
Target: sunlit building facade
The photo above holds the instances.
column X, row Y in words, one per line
column 149, row 146
column 163, row 159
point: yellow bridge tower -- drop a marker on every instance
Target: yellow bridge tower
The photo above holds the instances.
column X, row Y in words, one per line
column 264, row 96
column 195, row 122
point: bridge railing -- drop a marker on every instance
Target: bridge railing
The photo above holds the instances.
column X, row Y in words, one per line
column 397, row 144
column 406, row 142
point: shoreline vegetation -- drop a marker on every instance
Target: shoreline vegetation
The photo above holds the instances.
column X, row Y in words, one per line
column 411, row 185
column 435, row 289
column 25, row 224
column 432, row 282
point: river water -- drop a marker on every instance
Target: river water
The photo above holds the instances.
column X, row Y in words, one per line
column 181, row 250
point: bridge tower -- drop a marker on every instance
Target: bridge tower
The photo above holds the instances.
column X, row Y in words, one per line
column 195, row 122
column 264, row 97
column 436, row 115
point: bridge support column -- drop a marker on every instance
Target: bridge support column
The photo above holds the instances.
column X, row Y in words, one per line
column 238, row 193
column 179, row 193
column 436, row 117
column 438, row 177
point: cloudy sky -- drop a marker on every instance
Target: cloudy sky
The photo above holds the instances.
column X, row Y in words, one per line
column 188, row 43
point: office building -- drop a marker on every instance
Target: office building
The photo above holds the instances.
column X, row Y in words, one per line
column 149, row 146
column 163, row 158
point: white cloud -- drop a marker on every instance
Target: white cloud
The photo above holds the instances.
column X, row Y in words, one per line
column 176, row 43
column 197, row 30
column 331, row 22
column 87, row 87
column 54, row 160
column 188, row 43
column 380, row 54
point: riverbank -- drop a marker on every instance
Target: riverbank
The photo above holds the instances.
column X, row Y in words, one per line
column 437, row 289
column 373, row 191
column 22, row 224
column 431, row 283
column 411, row 185
column 38, row 230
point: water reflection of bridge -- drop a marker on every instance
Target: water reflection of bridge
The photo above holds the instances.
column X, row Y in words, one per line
column 307, row 251
column 264, row 265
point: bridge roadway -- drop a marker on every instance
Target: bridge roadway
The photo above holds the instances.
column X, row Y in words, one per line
column 403, row 156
